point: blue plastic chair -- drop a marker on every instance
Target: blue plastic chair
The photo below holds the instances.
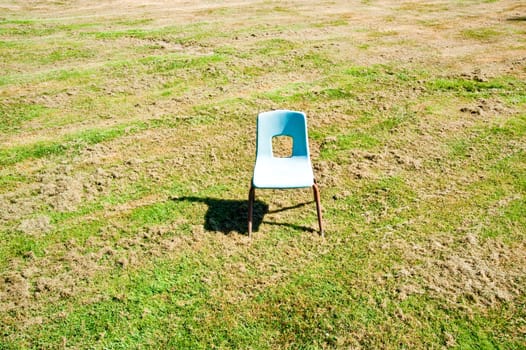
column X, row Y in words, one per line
column 272, row 172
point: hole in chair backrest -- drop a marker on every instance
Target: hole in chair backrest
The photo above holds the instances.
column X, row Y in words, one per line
column 282, row 146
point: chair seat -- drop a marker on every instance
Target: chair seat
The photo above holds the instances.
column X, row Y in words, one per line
column 293, row 172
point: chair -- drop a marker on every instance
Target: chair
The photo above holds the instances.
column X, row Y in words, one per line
column 272, row 172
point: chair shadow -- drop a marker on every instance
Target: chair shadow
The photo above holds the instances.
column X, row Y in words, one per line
column 228, row 215
column 517, row 18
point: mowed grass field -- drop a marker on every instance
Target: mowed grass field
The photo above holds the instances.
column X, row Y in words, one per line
column 127, row 141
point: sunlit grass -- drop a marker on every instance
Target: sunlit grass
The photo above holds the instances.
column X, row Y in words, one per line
column 127, row 147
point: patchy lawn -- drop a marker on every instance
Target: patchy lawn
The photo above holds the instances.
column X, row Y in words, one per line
column 127, row 141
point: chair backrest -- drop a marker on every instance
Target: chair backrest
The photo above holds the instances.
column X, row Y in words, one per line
column 282, row 123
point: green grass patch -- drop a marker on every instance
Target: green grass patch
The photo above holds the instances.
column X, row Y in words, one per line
column 369, row 73
column 482, row 141
column 67, row 53
column 345, row 143
column 382, row 34
column 41, row 28
column 18, row 246
column 465, row 85
column 135, row 22
column 229, row 109
column 36, row 150
column 512, row 168
column 8, row 44
column 302, row 92
column 509, row 222
column 164, row 212
column 10, row 181
column 481, row 34
column 157, row 306
column 332, row 23
column 73, row 142
column 12, row 116
column 129, row 33
column 26, row 29
column 180, row 34
column 380, row 129
column 275, row 46
column 506, row 87
column 49, row 53
column 75, row 76
column 162, row 64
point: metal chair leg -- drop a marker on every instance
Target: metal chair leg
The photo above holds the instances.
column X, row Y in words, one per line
column 251, row 196
column 316, row 191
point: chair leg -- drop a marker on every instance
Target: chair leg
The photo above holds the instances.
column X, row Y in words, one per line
column 316, row 191
column 251, row 195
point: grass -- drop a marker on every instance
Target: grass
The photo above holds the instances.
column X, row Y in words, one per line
column 13, row 115
column 275, row 47
column 481, row 34
column 476, row 88
column 126, row 150
column 74, row 142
